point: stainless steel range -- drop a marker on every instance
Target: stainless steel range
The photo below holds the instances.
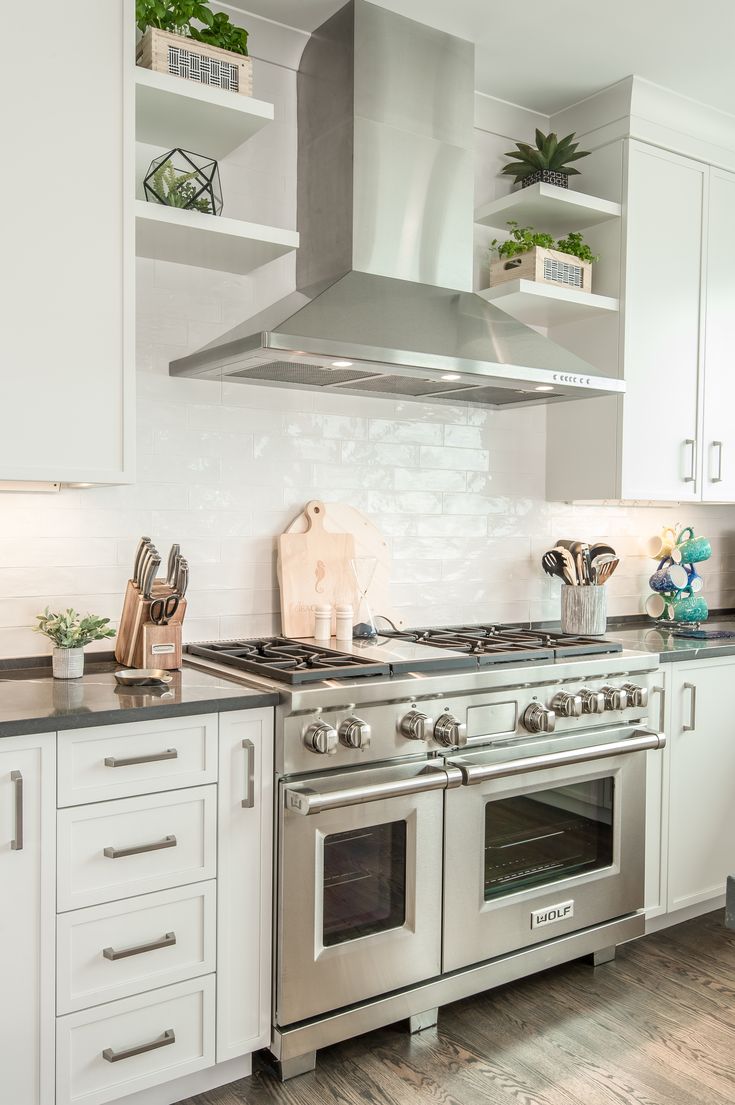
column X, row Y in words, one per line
column 457, row 807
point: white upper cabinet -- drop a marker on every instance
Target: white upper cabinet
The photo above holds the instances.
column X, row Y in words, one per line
column 670, row 438
column 718, row 432
column 66, row 341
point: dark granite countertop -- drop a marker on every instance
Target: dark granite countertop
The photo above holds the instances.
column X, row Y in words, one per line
column 31, row 701
column 650, row 637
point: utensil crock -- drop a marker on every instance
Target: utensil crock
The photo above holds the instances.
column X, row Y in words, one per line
column 584, row 610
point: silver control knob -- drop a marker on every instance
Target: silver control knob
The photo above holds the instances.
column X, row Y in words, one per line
column 355, row 733
column 538, row 719
column 416, row 726
column 637, row 696
column 322, row 738
column 616, row 698
column 450, row 731
column 593, row 702
column 566, row 704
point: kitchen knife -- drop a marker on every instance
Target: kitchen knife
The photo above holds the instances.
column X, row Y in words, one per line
column 154, row 563
column 173, row 560
column 138, row 561
column 182, row 577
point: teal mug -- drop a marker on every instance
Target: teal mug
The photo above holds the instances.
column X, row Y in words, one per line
column 694, row 549
column 688, row 607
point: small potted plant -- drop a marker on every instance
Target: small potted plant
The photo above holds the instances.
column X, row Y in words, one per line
column 215, row 52
column 530, row 254
column 183, row 179
column 70, row 634
column 548, row 162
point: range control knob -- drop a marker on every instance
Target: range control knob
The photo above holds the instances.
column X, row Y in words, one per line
column 566, row 704
column 322, row 738
column 355, row 733
column 538, row 719
column 450, row 731
column 637, row 696
column 593, row 702
column 616, row 698
column 416, row 726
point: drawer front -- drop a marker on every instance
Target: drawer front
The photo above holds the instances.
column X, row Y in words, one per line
column 124, row 948
column 144, row 757
column 113, row 850
column 106, row 1053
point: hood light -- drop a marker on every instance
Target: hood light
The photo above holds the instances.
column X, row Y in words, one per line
column 451, row 376
column 544, row 387
column 341, row 364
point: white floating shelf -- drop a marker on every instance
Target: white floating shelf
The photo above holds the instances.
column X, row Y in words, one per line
column 207, row 241
column 544, row 305
column 171, row 111
column 548, row 208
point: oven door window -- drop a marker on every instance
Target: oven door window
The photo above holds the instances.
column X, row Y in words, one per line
column 364, row 882
column 548, row 835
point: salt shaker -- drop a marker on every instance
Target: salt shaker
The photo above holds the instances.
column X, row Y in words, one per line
column 344, row 622
column 322, row 623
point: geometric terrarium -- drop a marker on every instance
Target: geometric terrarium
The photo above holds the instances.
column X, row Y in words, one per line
column 183, row 179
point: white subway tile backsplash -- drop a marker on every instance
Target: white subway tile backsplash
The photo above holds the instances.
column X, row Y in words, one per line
column 471, row 460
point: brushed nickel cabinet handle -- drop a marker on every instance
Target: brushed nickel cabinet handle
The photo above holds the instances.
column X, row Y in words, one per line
column 249, row 800
column 147, row 758
column 691, row 478
column 718, row 446
column 166, row 941
column 17, row 780
column 169, row 1037
column 661, row 691
column 692, row 716
column 136, row 849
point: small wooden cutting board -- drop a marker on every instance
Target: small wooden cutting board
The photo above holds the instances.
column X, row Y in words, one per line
column 313, row 568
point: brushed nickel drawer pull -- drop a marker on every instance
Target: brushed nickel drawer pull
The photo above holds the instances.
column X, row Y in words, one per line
column 148, row 758
column 692, row 708
column 169, row 1037
column 249, row 800
column 136, row 849
column 166, row 941
column 17, row 780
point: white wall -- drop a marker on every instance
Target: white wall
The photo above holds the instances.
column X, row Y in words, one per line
column 224, row 468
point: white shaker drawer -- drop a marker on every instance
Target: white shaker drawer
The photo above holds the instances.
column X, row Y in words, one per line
column 114, row 1050
column 113, row 951
column 113, row 850
column 143, row 757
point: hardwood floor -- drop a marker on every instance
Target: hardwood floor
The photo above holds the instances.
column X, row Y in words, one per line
column 656, row 1027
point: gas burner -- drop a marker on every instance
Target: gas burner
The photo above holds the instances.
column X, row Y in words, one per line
column 498, row 644
column 288, row 661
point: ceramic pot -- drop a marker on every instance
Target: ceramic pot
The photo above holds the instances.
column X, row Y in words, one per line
column 583, row 610
column 68, row 663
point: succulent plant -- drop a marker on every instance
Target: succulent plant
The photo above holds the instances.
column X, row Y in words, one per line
column 551, row 154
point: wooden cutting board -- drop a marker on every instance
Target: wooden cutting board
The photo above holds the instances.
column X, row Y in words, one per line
column 313, row 568
column 369, row 541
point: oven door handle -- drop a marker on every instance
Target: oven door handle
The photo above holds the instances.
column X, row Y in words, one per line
column 306, row 801
column 643, row 740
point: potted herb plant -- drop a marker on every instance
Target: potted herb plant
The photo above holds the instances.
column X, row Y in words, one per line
column 70, row 634
column 548, row 162
column 530, row 254
column 187, row 39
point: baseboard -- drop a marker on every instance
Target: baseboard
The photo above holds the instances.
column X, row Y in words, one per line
column 182, row 1088
column 666, row 920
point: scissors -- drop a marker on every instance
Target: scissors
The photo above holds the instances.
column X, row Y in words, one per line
column 162, row 610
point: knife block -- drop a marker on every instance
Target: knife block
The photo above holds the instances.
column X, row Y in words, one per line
column 140, row 642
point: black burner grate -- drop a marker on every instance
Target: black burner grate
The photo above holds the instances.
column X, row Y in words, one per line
column 499, row 644
column 287, row 661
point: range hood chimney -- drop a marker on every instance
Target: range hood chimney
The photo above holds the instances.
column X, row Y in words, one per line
column 384, row 302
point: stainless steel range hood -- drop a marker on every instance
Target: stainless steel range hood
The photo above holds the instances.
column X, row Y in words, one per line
column 384, row 302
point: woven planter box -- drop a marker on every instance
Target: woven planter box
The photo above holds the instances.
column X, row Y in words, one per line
column 545, row 266
column 180, row 56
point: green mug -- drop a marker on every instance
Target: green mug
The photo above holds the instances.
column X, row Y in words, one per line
column 688, row 607
column 694, row 549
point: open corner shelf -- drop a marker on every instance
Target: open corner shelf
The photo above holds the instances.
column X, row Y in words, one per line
column 545, row 305
column 207, row 241
column 171, row 111
column 549, row 208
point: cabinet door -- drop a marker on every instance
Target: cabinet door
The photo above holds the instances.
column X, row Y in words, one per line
column 27, row 851
column 662, row 326
column 718, row 476
column 702, row 782
column 65, row 341
column 244, row 882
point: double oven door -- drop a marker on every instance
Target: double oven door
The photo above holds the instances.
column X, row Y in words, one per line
column 359, row 885
column 543, row 840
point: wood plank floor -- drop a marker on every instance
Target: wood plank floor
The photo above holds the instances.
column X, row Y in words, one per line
column 656, row 1027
